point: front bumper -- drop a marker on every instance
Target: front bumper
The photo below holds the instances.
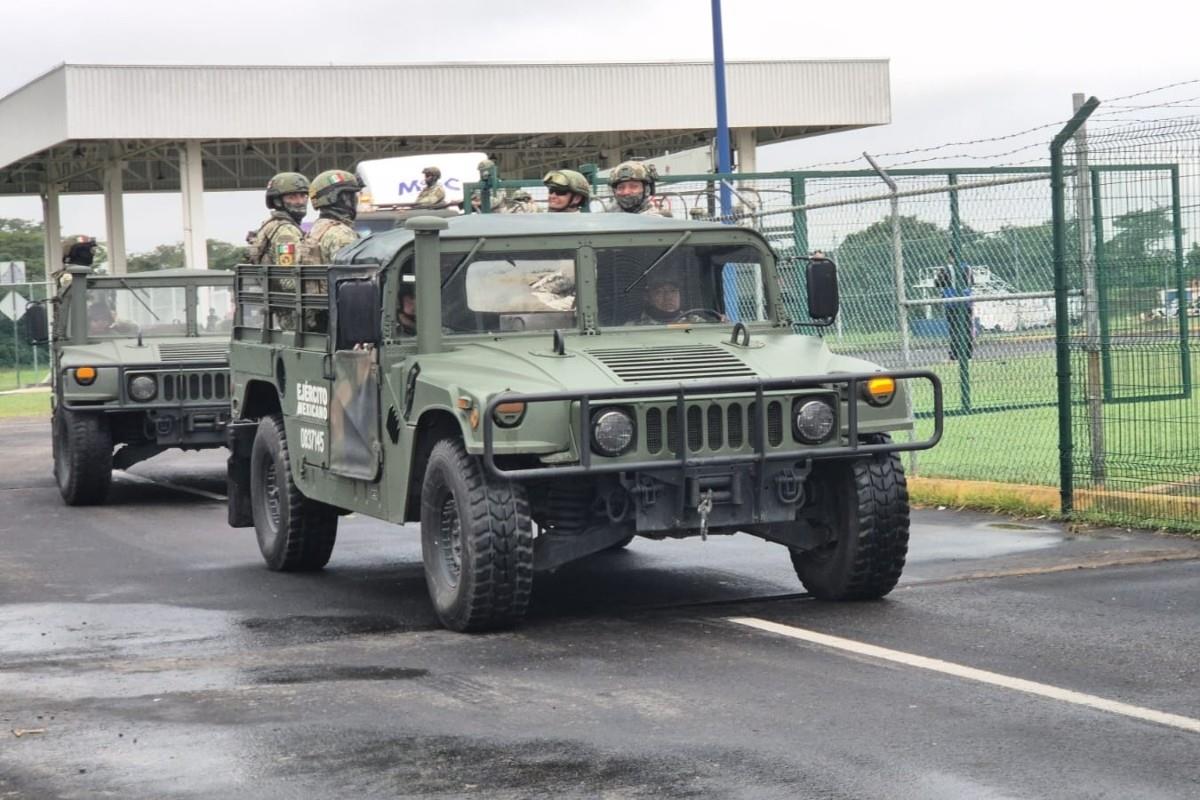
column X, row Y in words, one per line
column 757, row 450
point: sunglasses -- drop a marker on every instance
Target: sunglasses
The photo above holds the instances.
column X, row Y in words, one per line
column 556, row 190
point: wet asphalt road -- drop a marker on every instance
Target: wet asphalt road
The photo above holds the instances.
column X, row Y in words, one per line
column 146, row 653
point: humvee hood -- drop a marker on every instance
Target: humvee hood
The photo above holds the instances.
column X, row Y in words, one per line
column 116, row 352
column 528, row 363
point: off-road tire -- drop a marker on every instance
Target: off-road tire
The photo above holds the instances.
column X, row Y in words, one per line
column 295, row 533
column 83, row 457
column 476, row 542
column 867, row 503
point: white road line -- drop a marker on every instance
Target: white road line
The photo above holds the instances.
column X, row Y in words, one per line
column 970, row 673
column 175, row 486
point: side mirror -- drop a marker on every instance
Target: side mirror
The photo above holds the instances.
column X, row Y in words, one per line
column 822, row 289
column 357, row 314
column 37, row 325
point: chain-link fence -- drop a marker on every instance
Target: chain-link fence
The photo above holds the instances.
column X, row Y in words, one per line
column 22, row 364
column 1131, row 205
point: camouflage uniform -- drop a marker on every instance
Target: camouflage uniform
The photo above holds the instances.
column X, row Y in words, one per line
column 643, row 174
column 277, row 240
column 518, row 201
column 432, row 194
column 335, row 194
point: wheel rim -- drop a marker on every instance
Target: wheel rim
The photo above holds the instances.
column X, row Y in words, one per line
column 449, row 539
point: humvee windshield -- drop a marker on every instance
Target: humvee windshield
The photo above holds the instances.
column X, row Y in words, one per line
column 123, row 311
column 536, row 290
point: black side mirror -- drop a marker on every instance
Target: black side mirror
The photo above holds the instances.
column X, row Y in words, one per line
column 357, row 313
column 822, row 289
column 37, row 326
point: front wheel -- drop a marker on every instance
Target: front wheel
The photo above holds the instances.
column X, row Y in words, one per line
column 476, row 542
column 83, row 453
column 864, row 504
column 295, row 533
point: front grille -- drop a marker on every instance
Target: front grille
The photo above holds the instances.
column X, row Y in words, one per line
column 711, row 426
column 194, row 351
column 191, row 386
column 686, row 362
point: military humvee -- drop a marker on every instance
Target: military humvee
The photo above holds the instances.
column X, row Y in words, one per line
column 140, row 365
column 542, row 410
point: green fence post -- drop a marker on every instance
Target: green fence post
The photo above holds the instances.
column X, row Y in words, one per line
column 1062, row 329
column 1102, row 288
column 799, row 217
column 1180, row 285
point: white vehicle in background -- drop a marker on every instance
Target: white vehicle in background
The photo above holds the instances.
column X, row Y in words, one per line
column 997, row 314
column 391, row 186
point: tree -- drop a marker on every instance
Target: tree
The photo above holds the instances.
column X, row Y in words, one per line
column 221, row 255
column 21, row 240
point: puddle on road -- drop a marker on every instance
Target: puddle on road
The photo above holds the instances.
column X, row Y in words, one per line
column 1012, row 526
column 304, row 629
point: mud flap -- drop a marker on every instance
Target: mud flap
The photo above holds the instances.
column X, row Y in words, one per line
column 237, row 473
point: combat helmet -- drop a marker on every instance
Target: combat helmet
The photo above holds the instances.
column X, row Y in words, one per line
column 334, row 187
column 632, row 171
column 569, row 180
column 435, row 172
column 283, row 184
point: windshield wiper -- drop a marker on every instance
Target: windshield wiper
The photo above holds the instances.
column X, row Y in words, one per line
column 133, row 292
column 480, row 242
column 686, row 235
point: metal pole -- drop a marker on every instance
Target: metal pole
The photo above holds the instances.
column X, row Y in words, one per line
column 1180, row 285
column 901, row 298
column 960, row 334
column 1091, row 303
column 1058, row 207
column 722, row 118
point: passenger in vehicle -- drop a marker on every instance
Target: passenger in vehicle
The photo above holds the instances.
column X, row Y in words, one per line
column 569, row 190
column 406, row 315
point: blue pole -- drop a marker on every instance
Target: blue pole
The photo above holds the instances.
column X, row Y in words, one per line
column 723, row 166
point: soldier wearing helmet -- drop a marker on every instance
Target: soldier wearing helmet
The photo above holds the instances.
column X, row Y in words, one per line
column 334, row 194
column 277, row 240
column 632, row 184
column 569, row 190
column 432, row 196
column 519, row 201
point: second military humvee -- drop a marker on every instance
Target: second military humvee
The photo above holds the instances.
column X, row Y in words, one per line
column 572, row 381
column 140, row 365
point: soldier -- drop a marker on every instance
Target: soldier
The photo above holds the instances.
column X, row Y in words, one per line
column 406, row 315
column 569, row 190
column 632, row 184
column 519, row 202
column 277, row 240
column 432, row 196
column 334, row 194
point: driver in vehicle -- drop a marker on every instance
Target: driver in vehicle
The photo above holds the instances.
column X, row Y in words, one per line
column 663, row 305
column 406, row 315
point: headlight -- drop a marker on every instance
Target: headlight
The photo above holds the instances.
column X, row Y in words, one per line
column 143, row 388
column 612, row 432
column 815, row 421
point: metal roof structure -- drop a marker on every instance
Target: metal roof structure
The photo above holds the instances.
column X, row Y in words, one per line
column 253, row 121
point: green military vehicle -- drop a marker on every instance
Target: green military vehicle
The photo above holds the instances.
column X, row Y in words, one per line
column 570, row 381
column 140, row 364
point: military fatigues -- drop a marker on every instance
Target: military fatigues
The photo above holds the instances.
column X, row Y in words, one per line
column 327, row 236
column 518, row 207
column 277, row 243
column 646, row 207
column 431, row 196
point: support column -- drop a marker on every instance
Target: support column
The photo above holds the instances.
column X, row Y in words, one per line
column 52, row 230
column 114, row 217
column 191, row 189
column 745, row 141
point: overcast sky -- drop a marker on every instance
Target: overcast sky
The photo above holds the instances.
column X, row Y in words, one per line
column 959, row 70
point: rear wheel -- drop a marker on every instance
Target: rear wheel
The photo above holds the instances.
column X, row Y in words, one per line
column 295, row 533
column 83, row 452
column 476, row 542
column 865, row 505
